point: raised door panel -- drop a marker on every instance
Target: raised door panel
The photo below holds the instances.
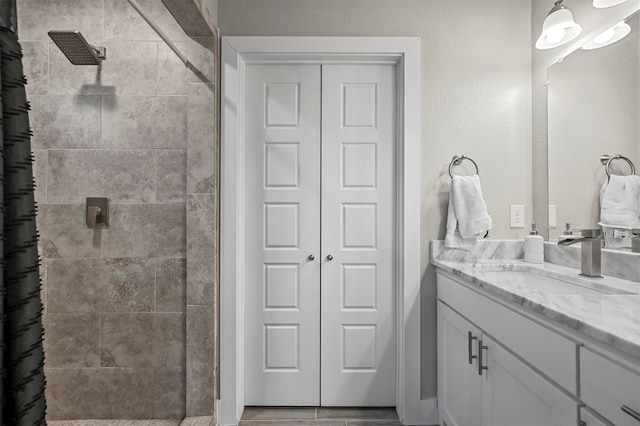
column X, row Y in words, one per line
column 282, row 286
column 358, row 360
column 459, row 385
column 515, row 394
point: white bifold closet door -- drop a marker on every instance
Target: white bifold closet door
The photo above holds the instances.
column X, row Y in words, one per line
column 320, row 235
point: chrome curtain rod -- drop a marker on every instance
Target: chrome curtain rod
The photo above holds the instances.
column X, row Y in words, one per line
column 161, row 33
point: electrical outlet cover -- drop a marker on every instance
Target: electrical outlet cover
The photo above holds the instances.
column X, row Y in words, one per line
column 517, row 216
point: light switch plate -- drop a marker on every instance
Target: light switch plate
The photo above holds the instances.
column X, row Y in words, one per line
column 517, row 216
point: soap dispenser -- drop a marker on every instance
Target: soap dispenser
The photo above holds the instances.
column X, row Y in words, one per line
column 534, row 246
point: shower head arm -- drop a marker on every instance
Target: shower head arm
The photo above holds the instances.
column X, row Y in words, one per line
column 100, row 51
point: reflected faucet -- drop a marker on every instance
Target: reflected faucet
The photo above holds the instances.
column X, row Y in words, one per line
column 591, row 254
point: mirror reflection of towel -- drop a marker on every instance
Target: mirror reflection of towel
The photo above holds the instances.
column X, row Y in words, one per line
column 620, row 202
column 467, row 218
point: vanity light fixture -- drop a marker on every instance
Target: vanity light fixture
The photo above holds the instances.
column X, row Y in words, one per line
column 558, row 27
column 609, row 36
column 600, row 4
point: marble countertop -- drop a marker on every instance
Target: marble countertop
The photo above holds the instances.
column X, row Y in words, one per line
column 611, row 319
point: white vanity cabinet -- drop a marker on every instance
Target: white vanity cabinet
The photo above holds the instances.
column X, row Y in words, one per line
column 459, row 384
column 481, row 382
column 609, row 388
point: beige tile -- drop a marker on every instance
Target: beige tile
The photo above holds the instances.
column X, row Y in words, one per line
column 40, row 175
column 64, row 233
column 202, row 150
column 171, row 175
column 122, row 22
column 171, row 288
column 43, row 283
column 201, row 398
column 293, row 422
column 289, row 413
column 130, row 69
column 72, row 340
column 187, row 13
column 201, row 52
column 99, row 393
column 169, row 393
column 36, row 67
column 66, row 121
column 144, row 122
column 358, row 413
column 154, row 422
column 142, row 340
column 174, row 76
column 36, row 17
column 100, row 285
column 172, row 73
column 198, row 421
column 201, row 213
column 145, row 230
column 123, row 176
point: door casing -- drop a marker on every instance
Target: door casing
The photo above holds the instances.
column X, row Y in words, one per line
column 237, row 52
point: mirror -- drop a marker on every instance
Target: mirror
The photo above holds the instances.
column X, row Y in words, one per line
column 593, row 109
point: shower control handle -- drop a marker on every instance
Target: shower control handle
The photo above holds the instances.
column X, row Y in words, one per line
column 97, row 212
column 329, row 257
column 93, row 216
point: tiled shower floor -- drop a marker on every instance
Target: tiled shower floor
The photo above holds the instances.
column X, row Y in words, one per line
column 262, row 416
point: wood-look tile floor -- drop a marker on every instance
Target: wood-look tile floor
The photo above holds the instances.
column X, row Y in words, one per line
column 270, row 416
column 308, row 416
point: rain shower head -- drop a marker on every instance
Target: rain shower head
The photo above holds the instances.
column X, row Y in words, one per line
column 76, row 49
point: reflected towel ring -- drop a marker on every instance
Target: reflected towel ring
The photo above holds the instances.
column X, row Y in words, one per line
column 607, row 159
column 457, row 160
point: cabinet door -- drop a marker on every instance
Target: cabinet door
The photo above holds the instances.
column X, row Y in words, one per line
column 458, row 380
column 514, row 394
column 589, row 418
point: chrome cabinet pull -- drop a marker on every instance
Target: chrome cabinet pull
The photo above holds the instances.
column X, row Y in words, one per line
column 329, row 257
column 470, row 339
column 630, row 411
column 311, row 257
column 480, row 366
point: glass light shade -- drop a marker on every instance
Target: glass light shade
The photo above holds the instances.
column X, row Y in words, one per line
column 558, row 28
column 600, row 4
column 609, row 36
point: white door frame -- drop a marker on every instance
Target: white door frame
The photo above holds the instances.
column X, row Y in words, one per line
column 237, row 52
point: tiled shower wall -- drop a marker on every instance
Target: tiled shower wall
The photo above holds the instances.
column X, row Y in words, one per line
column 140, row 130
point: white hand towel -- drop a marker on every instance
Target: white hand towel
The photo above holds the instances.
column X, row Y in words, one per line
column 467, row 218
column 453, row 239
column 620, row 202
column 471, row 211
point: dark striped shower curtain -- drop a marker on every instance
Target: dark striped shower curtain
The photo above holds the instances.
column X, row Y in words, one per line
column 21, row 362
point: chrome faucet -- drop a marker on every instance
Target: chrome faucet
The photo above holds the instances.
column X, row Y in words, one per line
column 591, row 254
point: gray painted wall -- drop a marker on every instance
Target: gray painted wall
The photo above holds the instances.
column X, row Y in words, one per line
column 476, row 99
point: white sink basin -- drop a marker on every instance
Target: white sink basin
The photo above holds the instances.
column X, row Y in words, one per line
column 550, row 283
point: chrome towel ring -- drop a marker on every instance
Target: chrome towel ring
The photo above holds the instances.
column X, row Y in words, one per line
column 457, row 160
column 607, row 159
